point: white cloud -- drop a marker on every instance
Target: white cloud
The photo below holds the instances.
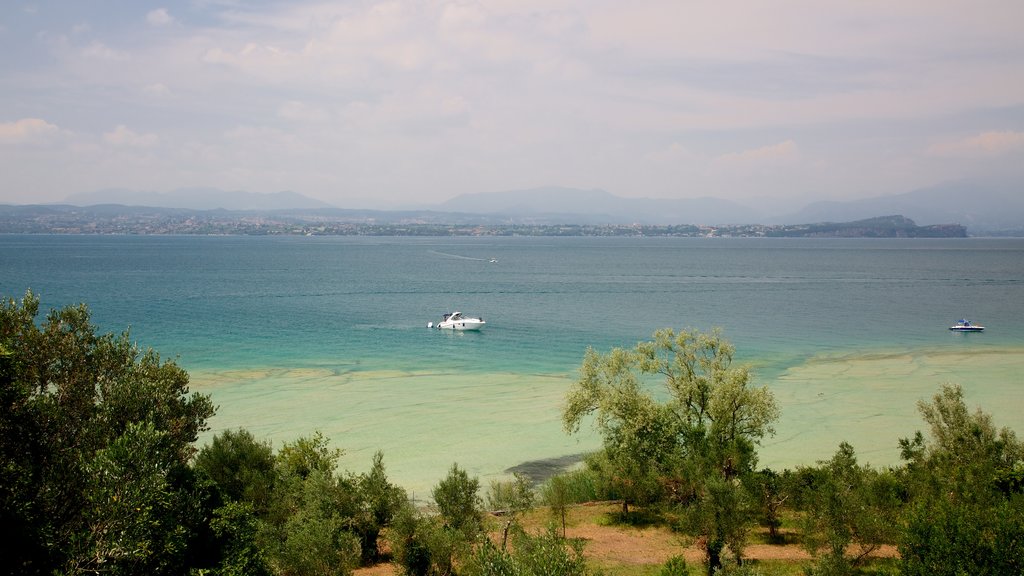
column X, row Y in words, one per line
column 125, row 137
column 302, row 111
column 988, row 144
column 785, row 152
column 100, row 51
column 159, row 17
column 26, row 130
column 157, row 89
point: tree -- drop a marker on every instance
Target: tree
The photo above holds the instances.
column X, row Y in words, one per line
column 964, row 518
column 306, row 455
column 236, row 528
column 431, row 545
column 378, row 502
column 543, row 554
column 697, row 443
column 241, row 467
column 771, row 490
column 556, row 495
column 74, row 400
column 510, row 498
column 310, row 526
column 458, row 502
column 851, row 505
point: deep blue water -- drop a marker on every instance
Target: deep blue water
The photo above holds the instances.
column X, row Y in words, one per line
column 292, row 334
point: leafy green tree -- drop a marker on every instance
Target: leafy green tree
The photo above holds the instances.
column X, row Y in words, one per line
column 640, row 435
column 544, row 554
column 458, row 501
column 964, row 518
column 317, row 545
column 236, row 527
column 431, row 545
column 74, row 400
column 306, row 455
column 310, row 525
column 241, row 468
column 697, row 443
column 378, row 502
column 771, row 490
column 555, row 494
column 510, row 498
column 851, row 507
column 409, row 542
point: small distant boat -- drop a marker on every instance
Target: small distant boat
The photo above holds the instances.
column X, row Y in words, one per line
column 456, row 321
column 966, row 326
column 493, row 260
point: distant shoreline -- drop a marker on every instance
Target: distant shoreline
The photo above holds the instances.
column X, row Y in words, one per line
column 153, row 221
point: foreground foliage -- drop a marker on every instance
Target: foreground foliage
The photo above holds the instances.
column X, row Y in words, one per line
column 967, row 511
column 95, row 439
column 691, row 450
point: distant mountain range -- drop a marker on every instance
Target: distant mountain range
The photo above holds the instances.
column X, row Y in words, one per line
column 981, row 207
column 600, row 207
column 197, row 199
column 978, row 206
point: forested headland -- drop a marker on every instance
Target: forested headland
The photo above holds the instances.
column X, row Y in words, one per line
column 101, row 473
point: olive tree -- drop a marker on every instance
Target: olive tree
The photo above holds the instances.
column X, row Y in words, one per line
column 851, row 512
column 964, row 517
column 692, row 441
column 510, row 498
column 89, row 419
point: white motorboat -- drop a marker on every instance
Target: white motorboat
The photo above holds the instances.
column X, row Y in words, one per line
column 456, row 321
column 966, row 326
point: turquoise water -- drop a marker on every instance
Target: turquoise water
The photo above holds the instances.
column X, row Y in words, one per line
column 295, row 334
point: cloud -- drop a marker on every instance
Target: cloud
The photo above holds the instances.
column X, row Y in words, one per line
column 122, row 136
column 302, row 111
column 784, row 152
column 648, row 98
column 159, row 17
column 100, row 51
column 158, row 89
column 26, row 130
column 985, row 144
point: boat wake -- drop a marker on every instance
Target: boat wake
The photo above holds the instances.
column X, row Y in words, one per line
column 458, row 256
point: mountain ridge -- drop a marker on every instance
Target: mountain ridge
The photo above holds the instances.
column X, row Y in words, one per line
column 981, row 206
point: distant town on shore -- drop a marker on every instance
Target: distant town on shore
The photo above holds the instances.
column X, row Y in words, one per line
column 114, row 219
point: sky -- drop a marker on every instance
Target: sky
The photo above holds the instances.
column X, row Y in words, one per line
column 390, row 104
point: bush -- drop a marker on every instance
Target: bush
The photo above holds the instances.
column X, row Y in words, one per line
column 676, row 566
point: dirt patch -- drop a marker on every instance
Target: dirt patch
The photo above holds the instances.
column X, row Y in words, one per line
column 611, row 545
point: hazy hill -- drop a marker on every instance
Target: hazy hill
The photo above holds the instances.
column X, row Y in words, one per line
column 978, row 206
column 981, row 207
column 599, row 206
column 197, row 199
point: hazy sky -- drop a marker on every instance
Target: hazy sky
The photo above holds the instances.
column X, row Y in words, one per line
column 403, row 102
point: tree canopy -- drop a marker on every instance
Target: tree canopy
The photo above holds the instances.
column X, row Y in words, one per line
column 95, row 436
column 688, row 441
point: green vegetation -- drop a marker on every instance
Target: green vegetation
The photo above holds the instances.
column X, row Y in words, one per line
column 691, row 451
column 99, row 473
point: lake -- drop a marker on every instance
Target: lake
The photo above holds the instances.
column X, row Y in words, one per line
column 295, row 334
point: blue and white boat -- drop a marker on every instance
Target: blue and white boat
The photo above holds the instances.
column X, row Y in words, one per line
column 965, row 325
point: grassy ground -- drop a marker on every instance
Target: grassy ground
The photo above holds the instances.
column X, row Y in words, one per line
column 617, row 549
